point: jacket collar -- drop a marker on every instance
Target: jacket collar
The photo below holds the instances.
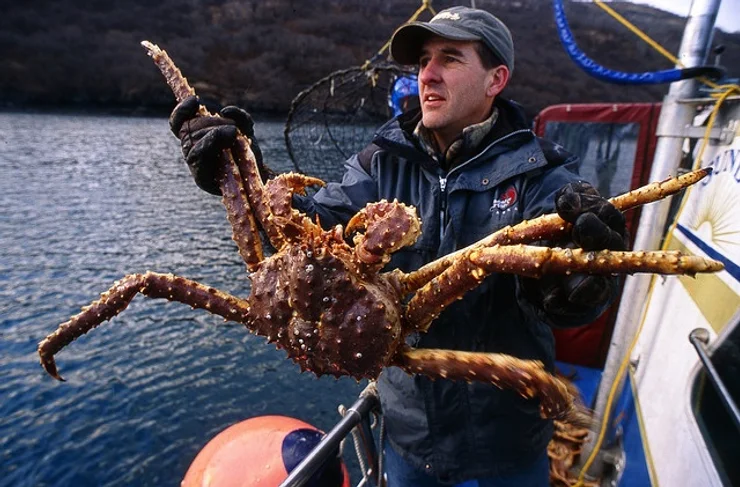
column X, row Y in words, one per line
column 462, row 148
column 397, row 134
column 510, row 135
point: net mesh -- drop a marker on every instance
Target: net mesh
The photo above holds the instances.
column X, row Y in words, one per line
column 337, row 117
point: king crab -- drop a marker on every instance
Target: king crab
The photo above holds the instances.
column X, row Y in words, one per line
column 328, row 304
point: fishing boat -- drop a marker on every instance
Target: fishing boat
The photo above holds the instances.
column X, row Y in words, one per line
column 661, row 368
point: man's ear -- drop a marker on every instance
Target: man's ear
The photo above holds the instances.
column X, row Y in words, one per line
column 498, row 80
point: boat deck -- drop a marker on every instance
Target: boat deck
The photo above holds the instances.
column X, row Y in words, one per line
column 587, row 379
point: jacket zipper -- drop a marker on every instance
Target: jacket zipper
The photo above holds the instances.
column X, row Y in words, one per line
column 442, row 206
column 443, row 180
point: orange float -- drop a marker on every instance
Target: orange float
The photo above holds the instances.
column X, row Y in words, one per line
column 261, row 452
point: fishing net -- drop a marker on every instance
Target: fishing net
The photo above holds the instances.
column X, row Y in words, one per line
column 338, row 115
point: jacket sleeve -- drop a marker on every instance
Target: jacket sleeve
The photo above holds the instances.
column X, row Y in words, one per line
column 540, row 199
column 336, row 203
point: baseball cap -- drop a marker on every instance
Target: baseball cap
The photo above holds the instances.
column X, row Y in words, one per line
column 458, row 24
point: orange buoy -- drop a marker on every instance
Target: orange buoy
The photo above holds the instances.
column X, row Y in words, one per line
column 261, row 452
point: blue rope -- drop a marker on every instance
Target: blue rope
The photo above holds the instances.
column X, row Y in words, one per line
column 619, row 77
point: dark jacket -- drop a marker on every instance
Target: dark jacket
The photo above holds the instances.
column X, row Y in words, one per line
column 456, row 430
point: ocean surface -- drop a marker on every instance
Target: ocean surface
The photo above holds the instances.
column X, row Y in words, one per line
column 86, row 200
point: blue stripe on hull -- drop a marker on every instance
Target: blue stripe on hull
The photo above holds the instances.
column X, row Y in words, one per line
column 730, row 266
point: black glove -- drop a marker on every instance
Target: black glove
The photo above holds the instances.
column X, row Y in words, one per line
column 597, row 225
column 203, row 138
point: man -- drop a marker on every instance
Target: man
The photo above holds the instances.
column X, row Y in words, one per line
column 469, row 163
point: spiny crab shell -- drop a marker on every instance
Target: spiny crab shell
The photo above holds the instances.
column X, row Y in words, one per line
column 317, row 300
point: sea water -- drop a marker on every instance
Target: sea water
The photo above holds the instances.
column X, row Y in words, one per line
column 86, row 200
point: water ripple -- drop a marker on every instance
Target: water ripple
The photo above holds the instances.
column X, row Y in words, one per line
column 87, row 200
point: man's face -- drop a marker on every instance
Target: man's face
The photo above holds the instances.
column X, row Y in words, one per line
column 455, row 90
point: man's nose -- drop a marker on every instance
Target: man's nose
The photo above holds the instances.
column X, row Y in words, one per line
column 429, row 73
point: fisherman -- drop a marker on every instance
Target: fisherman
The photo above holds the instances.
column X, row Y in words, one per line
column 469, row 163
column 404, row 94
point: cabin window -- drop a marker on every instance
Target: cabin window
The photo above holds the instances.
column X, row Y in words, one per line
column 607, row 151
column 721, row 433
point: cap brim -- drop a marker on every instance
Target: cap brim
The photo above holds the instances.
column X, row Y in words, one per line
column 407, row 40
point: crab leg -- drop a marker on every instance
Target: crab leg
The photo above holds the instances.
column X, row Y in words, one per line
column 526, row 377
column 244, row 228
column 272, row 202
column 254, row 190
column 531, row 261
column 118, row 297
column 563, row 450
column 172, row 74
column 551, row 226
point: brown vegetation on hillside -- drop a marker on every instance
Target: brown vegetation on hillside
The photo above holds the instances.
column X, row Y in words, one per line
column 261, row 53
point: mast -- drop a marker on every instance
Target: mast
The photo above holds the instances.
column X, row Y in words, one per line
column 675, row 117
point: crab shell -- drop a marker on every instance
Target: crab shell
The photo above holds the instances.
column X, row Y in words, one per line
column 311, row 301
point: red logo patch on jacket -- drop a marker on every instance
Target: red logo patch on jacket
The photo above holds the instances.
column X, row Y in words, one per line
column 506, row 201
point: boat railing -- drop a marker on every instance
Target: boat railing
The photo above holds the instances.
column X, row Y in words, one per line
column 699, row 338
column 358, row 418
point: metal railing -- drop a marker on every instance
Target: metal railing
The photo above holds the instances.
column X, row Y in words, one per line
column 358, row 415
column 699, row 338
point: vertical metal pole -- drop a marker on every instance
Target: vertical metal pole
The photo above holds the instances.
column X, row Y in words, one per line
column 674, row 117
column 367, row 448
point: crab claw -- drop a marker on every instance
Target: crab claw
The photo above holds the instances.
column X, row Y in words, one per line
column 280, row 190
column 388, row 226
column 48, row 363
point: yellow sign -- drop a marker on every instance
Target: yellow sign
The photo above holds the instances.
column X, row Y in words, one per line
column 709, row 225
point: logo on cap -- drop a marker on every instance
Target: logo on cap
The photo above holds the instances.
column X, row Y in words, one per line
column 446, row 15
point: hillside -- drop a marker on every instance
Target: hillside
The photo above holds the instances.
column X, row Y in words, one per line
column 261, row 53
